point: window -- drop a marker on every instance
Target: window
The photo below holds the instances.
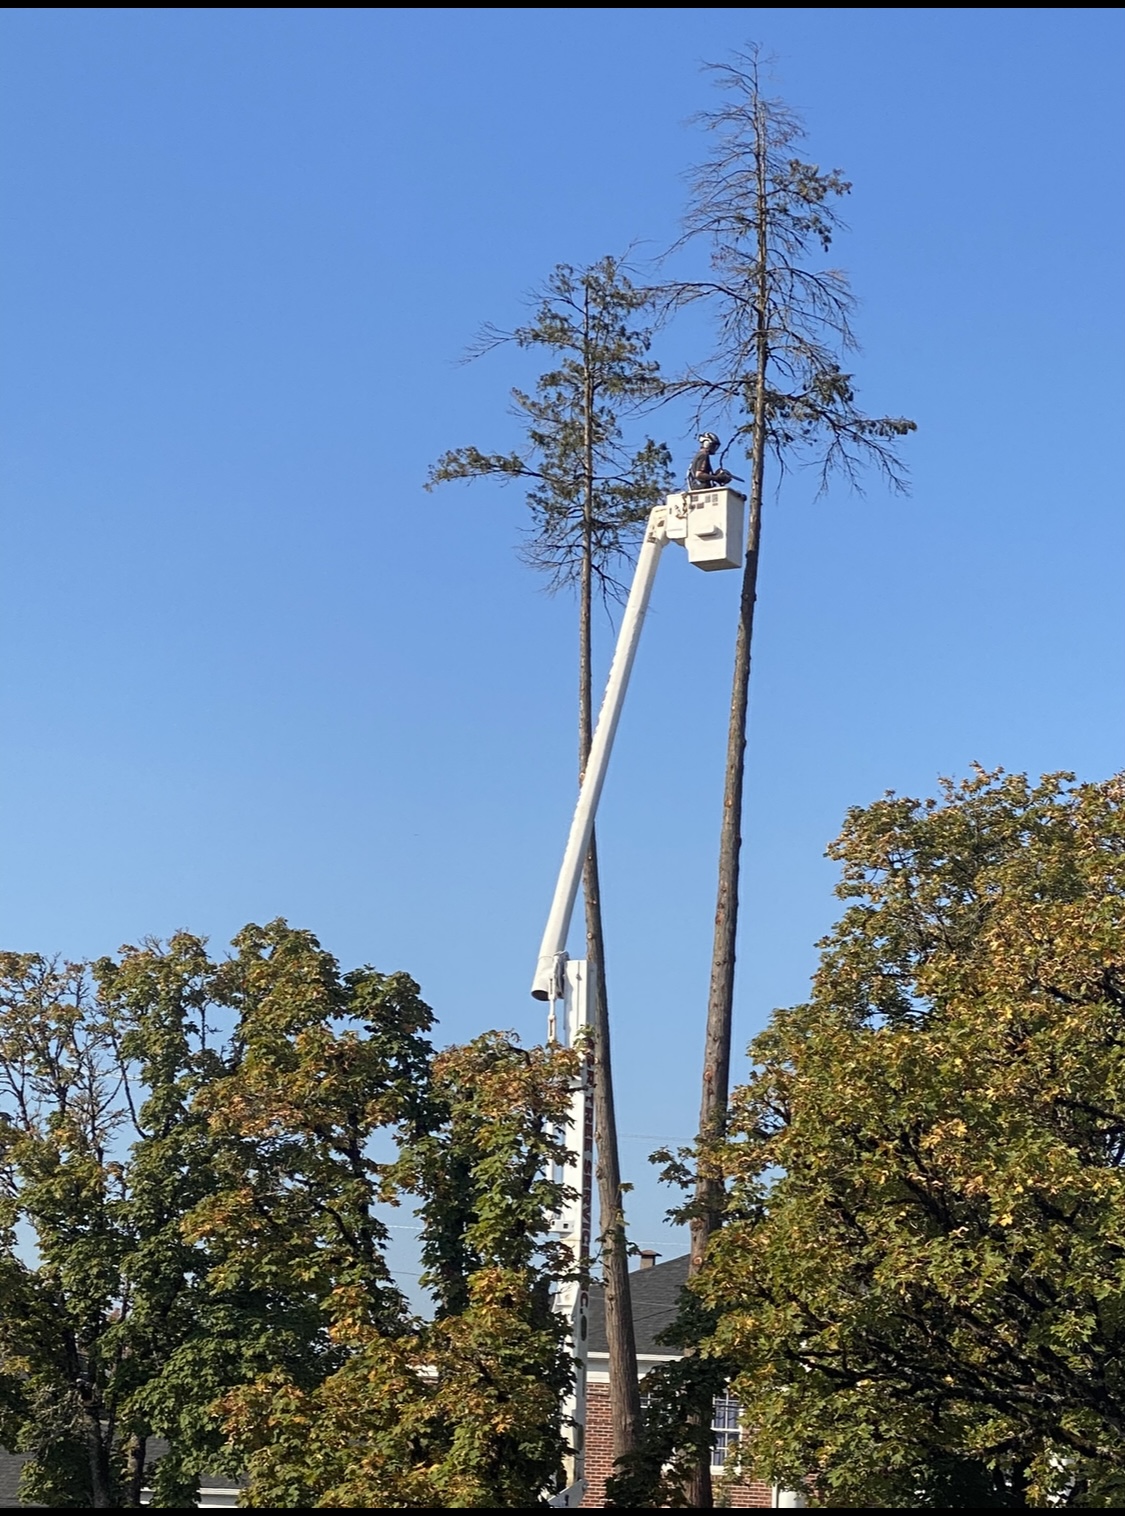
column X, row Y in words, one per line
column 725, row 1415
column 724, row 1429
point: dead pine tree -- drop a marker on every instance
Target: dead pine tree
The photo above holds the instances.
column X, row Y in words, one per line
column 776, row 380
column 589, row 497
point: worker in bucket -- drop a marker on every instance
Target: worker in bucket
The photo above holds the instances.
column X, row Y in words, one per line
column 701, row 476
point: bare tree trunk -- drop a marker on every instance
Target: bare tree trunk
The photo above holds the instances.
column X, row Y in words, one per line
column 625, row 1394
column 720, row 1003
column 624, row 1389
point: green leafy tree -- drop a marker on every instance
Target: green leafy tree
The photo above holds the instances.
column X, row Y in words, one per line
column 589, row 496
column 126, row 1327
column 61, row 1349
column 179, row 1340
column 320, row 1063
column 463, row 1411
column 192, row 1146
column 920, row 1284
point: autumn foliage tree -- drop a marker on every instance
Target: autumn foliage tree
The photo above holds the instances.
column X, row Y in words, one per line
column 462, row 1411
column 920, row 1284
column 204, row 1156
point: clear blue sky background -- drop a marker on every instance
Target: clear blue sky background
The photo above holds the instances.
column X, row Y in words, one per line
column 249, row 669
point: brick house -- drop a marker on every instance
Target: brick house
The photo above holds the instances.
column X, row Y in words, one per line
column 655, row 1289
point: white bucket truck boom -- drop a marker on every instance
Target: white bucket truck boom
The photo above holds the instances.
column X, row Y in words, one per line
column 710, row 524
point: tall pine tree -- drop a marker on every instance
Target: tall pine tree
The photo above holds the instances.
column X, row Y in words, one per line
column 588, row 495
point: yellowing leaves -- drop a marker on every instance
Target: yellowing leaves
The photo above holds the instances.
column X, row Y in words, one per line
column 936, row 1267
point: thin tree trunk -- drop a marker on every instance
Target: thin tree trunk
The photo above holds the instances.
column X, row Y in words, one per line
column 720, row 1004
column 624, row 1389
column 136, row 1465
column 101, row 1488
column 625, row 1394
column 717, row 1044
column 709, row 1192
column 93, row 1425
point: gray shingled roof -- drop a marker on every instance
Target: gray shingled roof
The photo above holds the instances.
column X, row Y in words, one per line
column 10, row 1466
column 12, row 1463
column 656, row 1295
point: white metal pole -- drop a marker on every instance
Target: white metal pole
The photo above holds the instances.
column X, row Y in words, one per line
column 578, row 843
column 572, row 1299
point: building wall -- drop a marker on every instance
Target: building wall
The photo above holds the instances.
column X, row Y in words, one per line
column 599, row 1459
column 599, row 1444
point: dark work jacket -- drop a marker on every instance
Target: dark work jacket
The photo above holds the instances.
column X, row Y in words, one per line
column 701, row 476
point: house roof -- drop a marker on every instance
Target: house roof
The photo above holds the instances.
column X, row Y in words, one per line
column 656, row 1296
column 215, row 1489
column 10, row 1466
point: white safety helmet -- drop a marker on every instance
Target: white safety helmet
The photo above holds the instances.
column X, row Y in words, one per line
column 709, row 441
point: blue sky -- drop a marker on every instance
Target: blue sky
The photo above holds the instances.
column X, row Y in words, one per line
column 249, row 669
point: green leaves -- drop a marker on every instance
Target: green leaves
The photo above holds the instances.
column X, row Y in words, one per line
column 464, row 1411
column 923, row 1274
column 588, row 492
column 200, row 1150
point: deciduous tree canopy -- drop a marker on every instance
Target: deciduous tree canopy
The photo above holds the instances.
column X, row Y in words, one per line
column 197, row 1163
column 920, row 1286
